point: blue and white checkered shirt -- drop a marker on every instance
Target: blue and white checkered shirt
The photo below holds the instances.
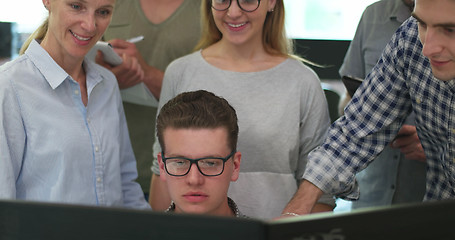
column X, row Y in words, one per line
column 401, row 82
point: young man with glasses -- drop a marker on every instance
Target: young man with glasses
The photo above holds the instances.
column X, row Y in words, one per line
column 282, row 109
column 198, row 134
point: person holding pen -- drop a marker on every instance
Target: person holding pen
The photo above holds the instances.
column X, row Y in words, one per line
column 170, row 29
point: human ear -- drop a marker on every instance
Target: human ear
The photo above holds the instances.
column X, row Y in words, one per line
column 46, row 4
column 271, row 5
column 162, row 170
column 236, row 159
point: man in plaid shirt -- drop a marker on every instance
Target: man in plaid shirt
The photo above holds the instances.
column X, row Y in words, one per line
column 415, row 73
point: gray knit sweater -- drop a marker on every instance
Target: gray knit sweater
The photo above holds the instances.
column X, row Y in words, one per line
column 282, row 116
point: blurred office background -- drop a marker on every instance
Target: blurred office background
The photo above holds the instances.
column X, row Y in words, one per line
column 332, row 20
column 322, row 31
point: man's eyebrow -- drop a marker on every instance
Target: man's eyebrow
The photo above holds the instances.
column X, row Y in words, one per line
column 444, row 25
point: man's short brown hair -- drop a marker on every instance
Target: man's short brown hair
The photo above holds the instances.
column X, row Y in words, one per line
column 198, row 110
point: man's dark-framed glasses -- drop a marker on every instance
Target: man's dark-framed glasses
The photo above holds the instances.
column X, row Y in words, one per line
column 245, row 5
column 208, row 166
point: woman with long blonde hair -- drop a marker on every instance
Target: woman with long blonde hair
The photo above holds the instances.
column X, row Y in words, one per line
column 63, row 134
column 245, row 57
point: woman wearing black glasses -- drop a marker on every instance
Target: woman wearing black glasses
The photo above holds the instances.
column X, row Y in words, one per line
column 245, row 57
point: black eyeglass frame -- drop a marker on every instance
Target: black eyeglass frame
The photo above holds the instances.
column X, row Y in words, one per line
column 238, row 4
column 195, row 161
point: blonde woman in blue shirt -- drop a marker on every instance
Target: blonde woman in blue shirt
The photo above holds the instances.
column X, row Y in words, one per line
column 63, row 136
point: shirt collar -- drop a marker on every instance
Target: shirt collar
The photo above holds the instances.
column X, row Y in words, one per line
column 94, row 76
column 231, row 203
column 400, row 11
column 53, row 73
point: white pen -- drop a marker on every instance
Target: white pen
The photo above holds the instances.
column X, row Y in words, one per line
column 135, row 39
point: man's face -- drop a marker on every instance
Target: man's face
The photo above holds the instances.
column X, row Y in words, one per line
column 437, row 34
column 194, row 192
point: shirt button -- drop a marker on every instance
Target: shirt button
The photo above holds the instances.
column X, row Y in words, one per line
column 97, row 148
column 98, row 179
column 418, row 101
column 88, row 120
column 453, row 130
column 76, row 92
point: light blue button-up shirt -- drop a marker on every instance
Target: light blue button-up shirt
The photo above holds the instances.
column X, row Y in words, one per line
column 55, row 149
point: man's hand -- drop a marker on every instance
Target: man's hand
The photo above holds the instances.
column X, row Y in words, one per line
column 409, row 143
column 123, row 47
column 130, row 72
column 304, row 201
column 134, row 68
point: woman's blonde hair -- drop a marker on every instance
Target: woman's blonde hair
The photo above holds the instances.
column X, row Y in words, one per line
column 39, row 34
column 274, row 37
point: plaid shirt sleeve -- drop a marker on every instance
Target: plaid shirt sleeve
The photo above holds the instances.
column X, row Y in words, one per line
column 371, row 120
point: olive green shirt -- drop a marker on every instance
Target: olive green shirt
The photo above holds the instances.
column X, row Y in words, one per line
column 164, row 42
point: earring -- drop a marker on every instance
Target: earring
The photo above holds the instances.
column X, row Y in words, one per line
column 271, row 10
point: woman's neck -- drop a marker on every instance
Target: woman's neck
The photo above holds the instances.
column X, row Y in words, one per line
column 236, row 58
column 71, row 65
column 77, row 72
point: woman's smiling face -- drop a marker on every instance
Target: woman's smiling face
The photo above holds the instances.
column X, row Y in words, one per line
column 75, row 26
column 240, row 27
